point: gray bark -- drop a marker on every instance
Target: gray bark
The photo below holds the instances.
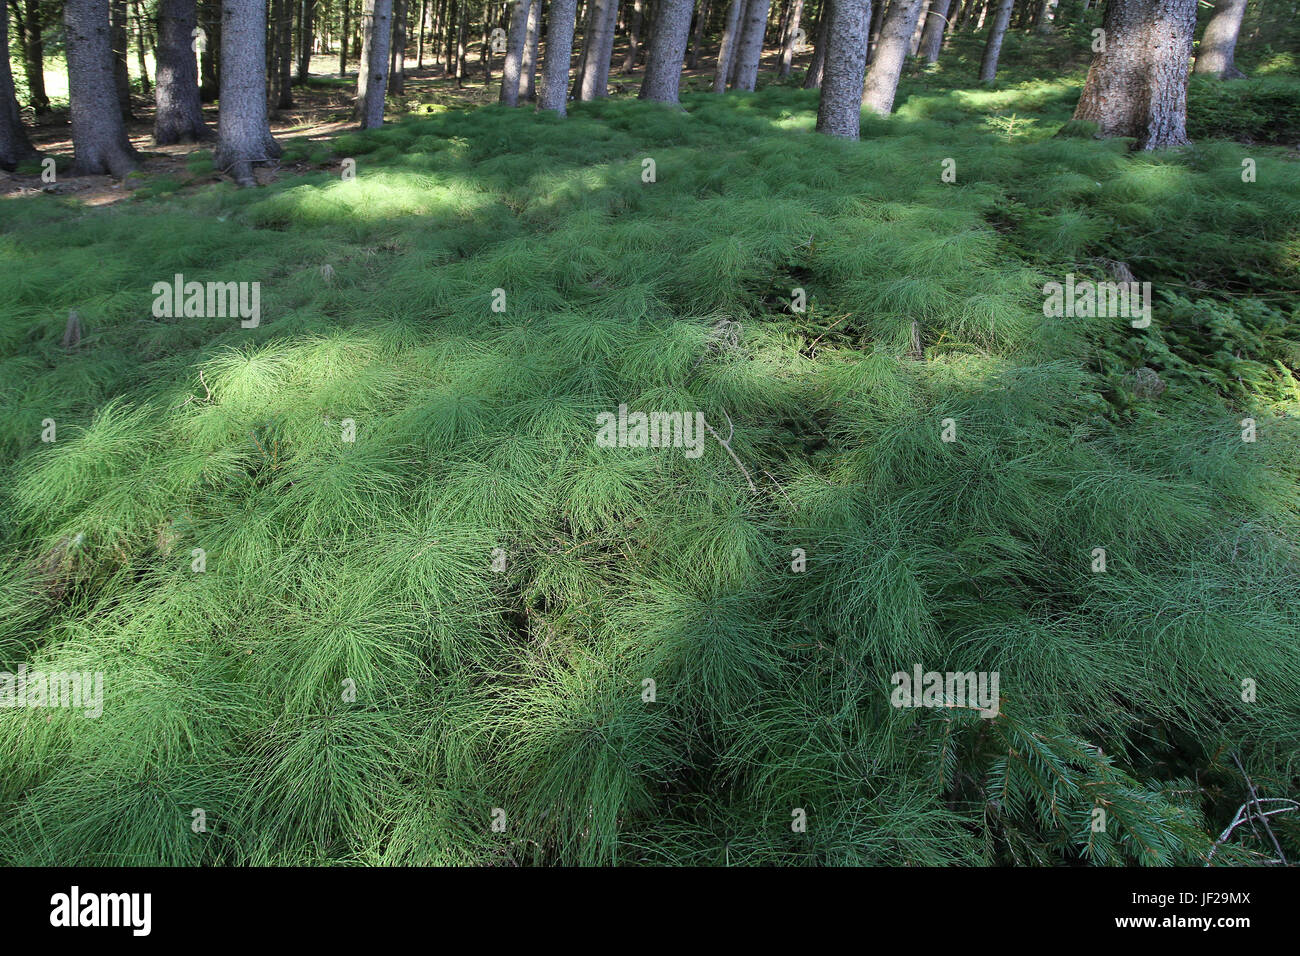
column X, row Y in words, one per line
column 1216, row 54
column 99, row 140
column 839, row 112
column 595, row 76
column 993, row 48
column 528, row 65
column 516, row 37
column 305, row 37
column 372, row 72
column 14, row 145
column 668, row 39
column 730, row 39
column 697, row 36
column 914, row 45
column 891, row 52
column 749, row 52
column 817, row 67
column 117, row 34
column 178, row 117
column 397, row 50
column 634, row 36
column 935, row 26
column 243, row 132
column 1138, row 85
column 559, row 52
column 787, row 48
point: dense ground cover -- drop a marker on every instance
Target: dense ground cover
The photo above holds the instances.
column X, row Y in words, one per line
column 354, row 678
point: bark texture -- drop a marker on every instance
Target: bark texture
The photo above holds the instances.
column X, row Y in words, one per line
column 243, row 132
column 528, row 66
column 936, row 23
column 595, row 76
column 179, row 114
column 1216, row 54
column 372, row 73
column 750, row 49
column 14, row 145
column 791, row 33
column 559, row 51
column 993, row 48
column 516, row 37
column 1137, row 86
column 667, row 49
column 99, row 138
column 730, row 39
column 839, row 112
column 634, row 36
column 891, row 52
column 816, row 68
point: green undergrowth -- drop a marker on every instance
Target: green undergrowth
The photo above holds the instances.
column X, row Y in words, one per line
column 449, row 621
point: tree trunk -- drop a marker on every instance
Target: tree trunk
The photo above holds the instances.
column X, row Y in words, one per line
column 372, row 73
column 397, row 50
column 697, row 36
column 419, row 34
column 634, row 35
column 730, row 40
column 284, row 55
column 839, row 112
column 516, row 38
column 178, row 117
column 30, row 25
column 99, row 138
column 121, row 76
column 343, row 38
column 914, row 44
column 461, row 26
column 877, row 18
column 1046, row 17
column 887, row 65
column 14, row 144
column 668, row 39
column 528, row 65
column 749, row 52
column 993, row 48
column 243, row 132
column 210, row 53
column 1219, row 42
column 595, row 76
column 559, row 51
column 1137, row 86
column 817, row 68
column 935, row 25
column 787, row 48
column 305, row 38
column 141, row 41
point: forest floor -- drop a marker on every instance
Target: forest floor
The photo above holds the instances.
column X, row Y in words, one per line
column 362, row 579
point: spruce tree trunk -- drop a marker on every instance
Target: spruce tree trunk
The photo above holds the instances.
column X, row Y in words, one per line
column 817, row 68
column 528, row 66
column 141, row 40
column 914, row 45
column 559, row 51
column 121, row 76
column 372, row 73
column 839, row 111
column 419, row 34
column 595, row 76
column 343, row 38
column 585, row 53
column 397, row 51
column 461, row 26
column 305, row 39
column 891, row 52
column 99, row 139
column 667, row 49
column 516, row 38
column 697, row 36
column 243, row 131
column 1137, row 86
column 787, row 48
column 935, row 25
column 178, row 117
column 877, row 18
column 1216, row 54
column 634, row 36
column 30, row 27
column 730, row 40
column 14, row 144
column 993, row 48
column 210, row 54
column 749, row 52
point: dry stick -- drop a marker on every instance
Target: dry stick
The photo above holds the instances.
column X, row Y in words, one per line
column 1263, row 817
column 727, row 445
column 1241, row 816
